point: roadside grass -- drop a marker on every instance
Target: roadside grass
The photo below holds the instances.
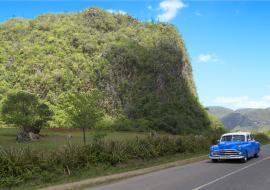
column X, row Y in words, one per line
column 57, row 138
column 104, row 170
column 54, row 139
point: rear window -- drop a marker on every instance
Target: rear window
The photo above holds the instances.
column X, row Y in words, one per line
column 233, row 138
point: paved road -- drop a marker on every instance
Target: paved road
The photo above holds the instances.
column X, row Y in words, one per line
column 204, row 175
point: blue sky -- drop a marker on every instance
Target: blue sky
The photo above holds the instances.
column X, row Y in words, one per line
column 228, row 41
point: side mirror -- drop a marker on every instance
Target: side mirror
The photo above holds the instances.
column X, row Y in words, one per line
column 218, row 141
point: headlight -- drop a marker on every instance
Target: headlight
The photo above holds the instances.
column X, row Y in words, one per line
column 239, row 148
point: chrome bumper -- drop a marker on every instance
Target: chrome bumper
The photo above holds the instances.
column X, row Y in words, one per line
column 228, row 157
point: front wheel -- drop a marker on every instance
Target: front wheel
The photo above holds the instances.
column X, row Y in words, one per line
column 245, row 159
column 214, row 160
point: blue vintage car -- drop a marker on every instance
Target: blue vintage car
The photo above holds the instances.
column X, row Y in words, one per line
column 240, row 145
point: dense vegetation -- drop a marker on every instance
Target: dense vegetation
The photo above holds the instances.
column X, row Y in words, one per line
column 261, row 137
column 24, row 165
column 142, row 69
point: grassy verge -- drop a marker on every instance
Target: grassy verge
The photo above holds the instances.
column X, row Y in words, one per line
column 57, row 138
column 109, row 170
column 31, row 167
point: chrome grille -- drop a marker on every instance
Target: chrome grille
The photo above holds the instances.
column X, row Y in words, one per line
column 226, row 152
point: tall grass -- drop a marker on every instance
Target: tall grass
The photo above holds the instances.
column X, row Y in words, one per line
column 19, row 165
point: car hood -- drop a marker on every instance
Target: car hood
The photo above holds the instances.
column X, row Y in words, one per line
column 229, row 145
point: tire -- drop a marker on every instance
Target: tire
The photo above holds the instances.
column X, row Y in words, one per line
column 214, row 160
column 256, row 155
column 245, row 159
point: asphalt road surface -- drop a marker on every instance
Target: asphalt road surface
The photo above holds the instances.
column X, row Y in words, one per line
column 203, row 175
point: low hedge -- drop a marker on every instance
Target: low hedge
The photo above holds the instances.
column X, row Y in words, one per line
column 19, row 165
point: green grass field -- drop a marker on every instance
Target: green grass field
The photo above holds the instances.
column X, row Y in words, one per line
column 56, row 138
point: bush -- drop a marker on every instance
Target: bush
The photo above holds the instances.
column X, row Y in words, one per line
column 136, row 125
column 24, row 164
column 261, row 137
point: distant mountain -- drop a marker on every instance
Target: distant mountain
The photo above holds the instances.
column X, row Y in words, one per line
column 219, row 112
column 243, row 119
column 234, row 119
column 259, row 115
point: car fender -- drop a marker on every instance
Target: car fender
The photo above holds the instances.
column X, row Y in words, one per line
column 246, row 148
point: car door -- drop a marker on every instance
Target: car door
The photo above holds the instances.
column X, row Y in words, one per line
column 252, row 145
column 255, row 145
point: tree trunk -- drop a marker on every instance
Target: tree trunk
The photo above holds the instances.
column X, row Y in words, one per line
column 84, row 138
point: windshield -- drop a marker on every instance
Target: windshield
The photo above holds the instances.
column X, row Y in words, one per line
column 233, row 138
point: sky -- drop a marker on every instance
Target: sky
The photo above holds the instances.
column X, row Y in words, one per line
column 228, row 41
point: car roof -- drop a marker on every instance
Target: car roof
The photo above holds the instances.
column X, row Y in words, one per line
column 237, row 133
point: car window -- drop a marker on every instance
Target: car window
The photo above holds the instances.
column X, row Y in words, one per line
column 233, row 138
column 226, row 138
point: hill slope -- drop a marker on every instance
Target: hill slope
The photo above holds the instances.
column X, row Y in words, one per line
column 219, row 112
column 143, row 68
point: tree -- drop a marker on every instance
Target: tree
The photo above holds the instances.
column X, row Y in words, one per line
column 84, row 110
column 24, row 110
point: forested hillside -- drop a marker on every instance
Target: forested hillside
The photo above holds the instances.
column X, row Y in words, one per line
column 142, row 68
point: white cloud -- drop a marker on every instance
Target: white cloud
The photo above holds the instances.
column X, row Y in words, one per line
column 231, row 100
column 117, row 11
column 266, row 98
column 204, row 58
column 243, row 102
column 169, row 9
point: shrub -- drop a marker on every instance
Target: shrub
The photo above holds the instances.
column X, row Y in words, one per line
column 261, row 137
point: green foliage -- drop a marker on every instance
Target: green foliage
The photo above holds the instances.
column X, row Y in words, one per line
column 21, row 165
column 26, row 111
column 84, row 109
column 99, row 135
column 142, row 68
column 261, row 137
column 215, row 122
column 125, row 124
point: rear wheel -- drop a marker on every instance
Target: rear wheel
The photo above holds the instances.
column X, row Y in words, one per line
column 257, row 154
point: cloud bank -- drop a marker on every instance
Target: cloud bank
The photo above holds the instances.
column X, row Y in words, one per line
column 169, row 9
column 243, row 102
